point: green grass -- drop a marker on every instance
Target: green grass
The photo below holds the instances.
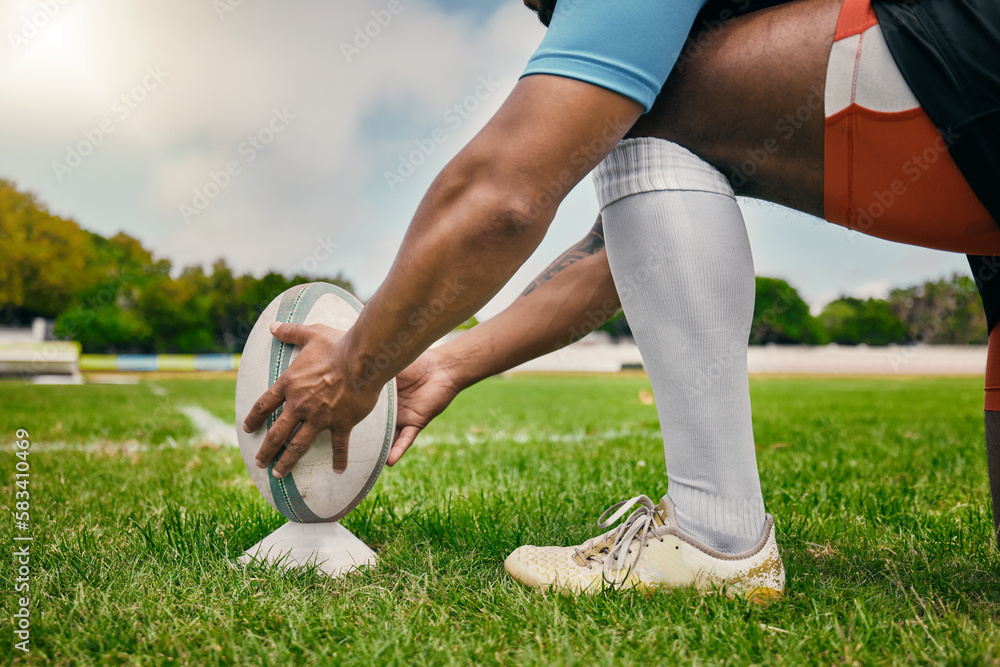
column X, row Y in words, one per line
column 878, row 488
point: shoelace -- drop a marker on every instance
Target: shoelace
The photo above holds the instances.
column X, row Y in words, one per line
column 637, row 526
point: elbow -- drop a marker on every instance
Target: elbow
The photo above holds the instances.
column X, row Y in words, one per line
column 508, row 210
column 514, row 216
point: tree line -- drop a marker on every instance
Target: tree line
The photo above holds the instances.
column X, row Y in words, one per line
column 112, row 295
column 945, row 312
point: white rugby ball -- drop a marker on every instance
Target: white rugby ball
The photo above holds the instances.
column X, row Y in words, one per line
column 312, row 492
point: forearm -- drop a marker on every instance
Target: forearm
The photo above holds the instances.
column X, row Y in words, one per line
column 463, row 245
column 572, row 297
column 484, row 215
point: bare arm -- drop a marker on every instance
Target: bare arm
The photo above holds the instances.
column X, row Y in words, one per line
column 574, row 295
column 489, row 209
column 482, row 217
column 592, row 243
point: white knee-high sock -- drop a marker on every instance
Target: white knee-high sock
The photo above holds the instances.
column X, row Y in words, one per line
column 681, row 260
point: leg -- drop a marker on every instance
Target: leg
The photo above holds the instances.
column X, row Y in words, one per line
column 748, row 98
column 986, row 271
column 684, row 238
column 680, row 257
column 752, row 98
column 993, row 465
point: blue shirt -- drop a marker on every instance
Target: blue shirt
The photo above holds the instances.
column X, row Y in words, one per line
column 628, row 46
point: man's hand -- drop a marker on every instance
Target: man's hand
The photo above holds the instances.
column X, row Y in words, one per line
column 317, row 392
column 425, row 388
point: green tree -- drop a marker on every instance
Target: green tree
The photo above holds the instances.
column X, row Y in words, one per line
column 617, row 326
column 179, row 312
column 45, row 260
column 781, row 316
column 850, row 321
column 946, row 312
column 104, row 326
column 104, row 317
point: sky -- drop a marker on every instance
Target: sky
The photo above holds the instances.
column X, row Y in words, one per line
column 296, row 136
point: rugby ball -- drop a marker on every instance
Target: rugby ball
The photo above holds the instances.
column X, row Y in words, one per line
column 312, row 492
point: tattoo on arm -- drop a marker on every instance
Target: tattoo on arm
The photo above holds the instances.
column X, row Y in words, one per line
column 592, row 243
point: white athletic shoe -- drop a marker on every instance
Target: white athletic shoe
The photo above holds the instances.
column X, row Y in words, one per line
column 648, row 551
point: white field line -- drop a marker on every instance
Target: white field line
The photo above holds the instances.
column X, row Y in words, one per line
column 523, row 436
column 102, row 447
column 221, row 430
column 210, row 428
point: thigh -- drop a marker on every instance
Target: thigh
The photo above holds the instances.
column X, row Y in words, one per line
column 747, row 96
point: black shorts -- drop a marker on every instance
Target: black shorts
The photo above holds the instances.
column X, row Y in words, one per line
column 949, row 53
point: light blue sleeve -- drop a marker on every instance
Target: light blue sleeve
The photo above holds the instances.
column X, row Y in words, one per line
column 628, row 46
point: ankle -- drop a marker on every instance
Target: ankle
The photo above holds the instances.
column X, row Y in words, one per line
column 728, row 525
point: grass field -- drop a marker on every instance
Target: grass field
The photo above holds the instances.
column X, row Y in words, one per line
column 878, row 488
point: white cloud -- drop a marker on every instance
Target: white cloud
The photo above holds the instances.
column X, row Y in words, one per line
column 322, row 176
